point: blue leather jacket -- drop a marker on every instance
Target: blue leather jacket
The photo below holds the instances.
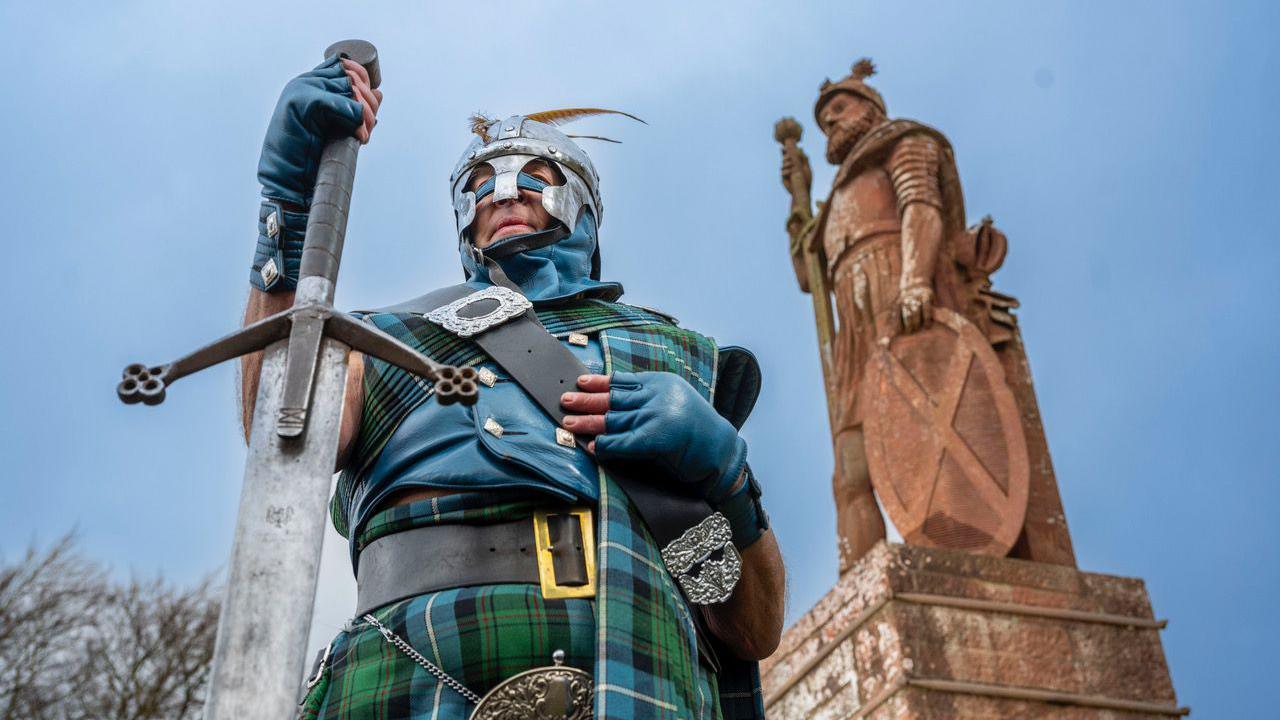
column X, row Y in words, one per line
column 449, row 447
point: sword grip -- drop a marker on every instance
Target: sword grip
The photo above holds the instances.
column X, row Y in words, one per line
column 327, row 222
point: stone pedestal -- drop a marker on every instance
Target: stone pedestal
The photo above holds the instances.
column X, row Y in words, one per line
column 914, row 632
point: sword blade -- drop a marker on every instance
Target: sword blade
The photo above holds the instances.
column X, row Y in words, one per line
column 260, row 652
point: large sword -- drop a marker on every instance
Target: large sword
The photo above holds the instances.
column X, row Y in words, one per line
column 260, row 652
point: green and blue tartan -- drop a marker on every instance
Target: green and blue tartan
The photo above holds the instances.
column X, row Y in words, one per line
column 646, row 657
column 479, row 635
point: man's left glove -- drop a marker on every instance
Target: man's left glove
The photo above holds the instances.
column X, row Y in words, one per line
column 659, row 418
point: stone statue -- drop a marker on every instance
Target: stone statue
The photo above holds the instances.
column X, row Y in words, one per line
column 929, row 394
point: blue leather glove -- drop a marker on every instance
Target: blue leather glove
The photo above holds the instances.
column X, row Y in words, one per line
column 659, row 418
column 746, row 515
column 315, row 107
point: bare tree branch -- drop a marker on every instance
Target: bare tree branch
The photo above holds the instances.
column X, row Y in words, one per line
column 75, row 645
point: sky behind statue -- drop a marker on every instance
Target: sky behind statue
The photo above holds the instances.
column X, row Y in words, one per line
column 1127, row 151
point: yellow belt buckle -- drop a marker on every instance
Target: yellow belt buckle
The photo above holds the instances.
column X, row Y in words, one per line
column 546, row 569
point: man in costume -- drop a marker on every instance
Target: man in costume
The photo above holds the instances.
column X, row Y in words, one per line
column 547, row 526
column 895, row 204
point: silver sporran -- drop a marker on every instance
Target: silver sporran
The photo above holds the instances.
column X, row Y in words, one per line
column 546, row 693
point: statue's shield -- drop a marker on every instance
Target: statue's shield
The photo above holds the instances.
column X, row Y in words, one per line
column 945, row 444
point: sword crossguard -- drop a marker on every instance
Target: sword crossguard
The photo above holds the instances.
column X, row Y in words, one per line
column 310, row 322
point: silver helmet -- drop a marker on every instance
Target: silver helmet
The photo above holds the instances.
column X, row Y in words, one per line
column 507, row 146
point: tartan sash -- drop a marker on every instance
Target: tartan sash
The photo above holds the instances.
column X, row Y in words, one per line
column 647, row 654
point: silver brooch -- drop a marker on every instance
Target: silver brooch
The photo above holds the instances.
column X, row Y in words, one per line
column 510, row 304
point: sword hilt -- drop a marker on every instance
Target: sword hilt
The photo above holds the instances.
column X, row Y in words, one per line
column 312, row 318
column 331, row 200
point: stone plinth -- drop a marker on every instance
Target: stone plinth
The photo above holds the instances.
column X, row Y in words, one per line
column 912, row 632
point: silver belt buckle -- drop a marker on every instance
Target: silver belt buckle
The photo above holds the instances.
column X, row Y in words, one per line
column 705, row 581
column 510, row 304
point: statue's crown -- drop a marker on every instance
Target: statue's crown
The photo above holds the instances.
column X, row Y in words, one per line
column 855, row 84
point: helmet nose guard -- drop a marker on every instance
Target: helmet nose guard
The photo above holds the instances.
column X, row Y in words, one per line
column 513, row 143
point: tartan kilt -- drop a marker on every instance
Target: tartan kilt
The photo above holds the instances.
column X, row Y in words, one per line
column 478, row 635
column 483, row 635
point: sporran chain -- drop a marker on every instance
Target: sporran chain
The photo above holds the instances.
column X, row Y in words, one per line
column 417, row 657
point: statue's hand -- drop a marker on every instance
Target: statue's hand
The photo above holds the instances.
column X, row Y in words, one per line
column 794, row 162
column 915, row 308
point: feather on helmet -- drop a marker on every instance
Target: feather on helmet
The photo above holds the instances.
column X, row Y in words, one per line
column 509, row 144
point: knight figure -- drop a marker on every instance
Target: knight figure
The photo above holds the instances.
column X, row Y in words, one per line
column 587, row 539
column 928, row 394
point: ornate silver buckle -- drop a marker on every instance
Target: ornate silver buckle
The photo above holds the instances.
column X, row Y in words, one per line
column 688, row 557
column 510, row 304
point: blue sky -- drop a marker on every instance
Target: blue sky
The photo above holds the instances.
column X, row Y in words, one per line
column 1126, row 149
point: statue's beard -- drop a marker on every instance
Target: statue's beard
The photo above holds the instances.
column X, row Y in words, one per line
column 845, row 134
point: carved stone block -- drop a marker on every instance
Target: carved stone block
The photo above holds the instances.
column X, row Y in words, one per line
column 912, row 632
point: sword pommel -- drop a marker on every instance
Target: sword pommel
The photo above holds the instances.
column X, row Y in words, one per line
column 363, row 53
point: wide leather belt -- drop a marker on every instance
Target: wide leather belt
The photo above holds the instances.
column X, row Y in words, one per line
column 555, row 549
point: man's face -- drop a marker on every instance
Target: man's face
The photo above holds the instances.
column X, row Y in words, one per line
column 844, row 120
column 504, row 218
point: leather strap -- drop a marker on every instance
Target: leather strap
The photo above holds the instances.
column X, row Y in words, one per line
column 424, row 304
column 441, row 557
column 523, row 243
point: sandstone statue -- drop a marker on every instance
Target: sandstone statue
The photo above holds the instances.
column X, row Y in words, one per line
column 929, row 394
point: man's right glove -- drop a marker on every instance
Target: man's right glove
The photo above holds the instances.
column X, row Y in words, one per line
column 658, row 417
column 314, row 108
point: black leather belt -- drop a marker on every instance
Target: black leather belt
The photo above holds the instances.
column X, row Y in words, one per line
column 553, row 549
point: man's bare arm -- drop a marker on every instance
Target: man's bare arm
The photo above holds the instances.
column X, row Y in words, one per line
column 921, row 240
column 750, row 622
column 262, row 305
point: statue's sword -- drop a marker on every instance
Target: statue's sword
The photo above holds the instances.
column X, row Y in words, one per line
column 260, row 652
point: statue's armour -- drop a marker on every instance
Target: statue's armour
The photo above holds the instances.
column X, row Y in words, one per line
column 863, row 244
column 872, row 202
column 914, row 169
